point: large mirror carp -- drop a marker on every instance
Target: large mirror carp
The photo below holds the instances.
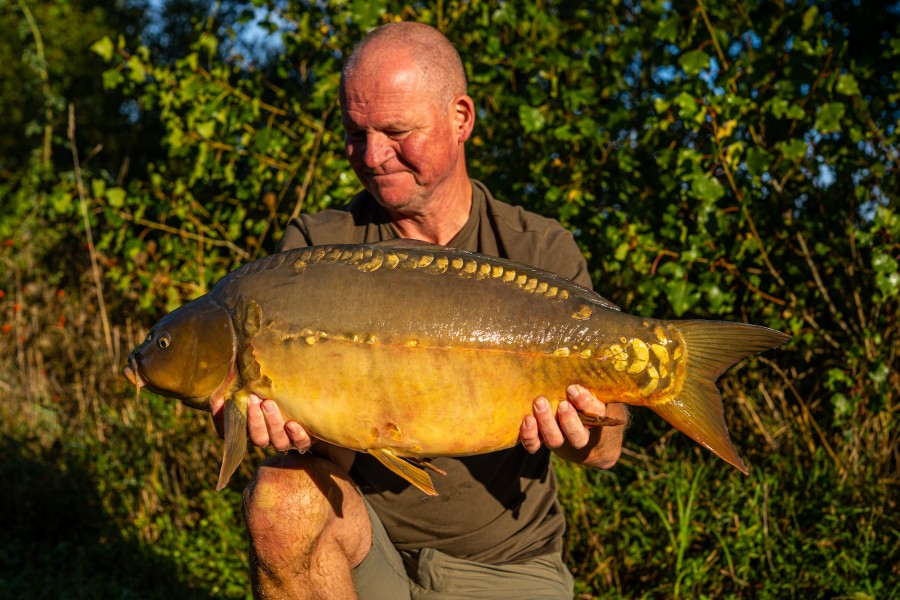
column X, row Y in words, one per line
column 406, row 350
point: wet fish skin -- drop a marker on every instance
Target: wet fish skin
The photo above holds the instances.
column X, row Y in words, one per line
column 405, row 349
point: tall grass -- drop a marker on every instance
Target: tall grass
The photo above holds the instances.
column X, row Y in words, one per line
column 111, row 495
column 672, row 521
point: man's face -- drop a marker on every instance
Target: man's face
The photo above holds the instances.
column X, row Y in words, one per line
column 402, row 144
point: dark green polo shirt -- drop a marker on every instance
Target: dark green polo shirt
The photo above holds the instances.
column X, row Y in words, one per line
column 493, row 508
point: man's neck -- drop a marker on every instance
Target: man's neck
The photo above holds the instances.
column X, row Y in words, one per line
column 442, row 221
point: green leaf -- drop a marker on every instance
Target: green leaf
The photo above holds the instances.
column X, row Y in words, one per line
column 531, row 118
column 836, row 378
column 783, row 109
column 115, row 197
column 366, row 12
column 888, row 283
column 209, row 43
column 687, row 104
column 793, row 150
column 136, row 71
column 847, row 85
column 206, row 129
column 884, row 263
column 809, row 18
column 98, row 187
column 672, row 270
column 694, row 61
column 564, row 133
column 720, row 302
column 795, row 111
column 104, row 47
column 880, row 373
column 62, row 202
column 758, row 160
column 841, row 406
column 112, row 78
column 682, row 295
column 667, row 29
column 828, row 117
column 707, row 188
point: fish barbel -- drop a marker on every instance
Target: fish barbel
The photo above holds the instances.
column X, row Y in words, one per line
column 407, row 350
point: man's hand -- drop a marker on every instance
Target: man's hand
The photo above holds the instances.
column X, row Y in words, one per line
column 567, row 436
column 266, row 427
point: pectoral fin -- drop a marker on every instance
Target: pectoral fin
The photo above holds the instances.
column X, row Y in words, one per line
column 235, row 438
column 413, row 474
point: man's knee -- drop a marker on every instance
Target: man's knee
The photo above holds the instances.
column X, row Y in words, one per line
column 287, row 494
column 294, row 499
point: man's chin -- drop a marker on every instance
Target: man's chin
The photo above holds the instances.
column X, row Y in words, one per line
column 393, row 196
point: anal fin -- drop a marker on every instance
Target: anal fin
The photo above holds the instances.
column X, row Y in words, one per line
column 405, row 469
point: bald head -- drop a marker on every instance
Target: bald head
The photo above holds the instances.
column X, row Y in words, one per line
column 409, row 45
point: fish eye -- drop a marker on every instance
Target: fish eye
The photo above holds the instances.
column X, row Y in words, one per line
column 164, row 341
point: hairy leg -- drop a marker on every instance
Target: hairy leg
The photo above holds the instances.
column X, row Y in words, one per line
column 308, row 528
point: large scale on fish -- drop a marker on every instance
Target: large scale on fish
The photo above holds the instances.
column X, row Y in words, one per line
column 407, row 351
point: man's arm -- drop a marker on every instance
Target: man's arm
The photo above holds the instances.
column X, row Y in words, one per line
column 598, row 447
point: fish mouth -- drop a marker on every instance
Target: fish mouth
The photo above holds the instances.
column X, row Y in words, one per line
column 132, row 373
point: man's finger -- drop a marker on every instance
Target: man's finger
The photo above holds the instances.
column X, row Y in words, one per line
column 529, row 435
column 299, row 437
column 256, row 423
column 585, row 401
column 278, row 438
column 571, row 425
column 547, row 424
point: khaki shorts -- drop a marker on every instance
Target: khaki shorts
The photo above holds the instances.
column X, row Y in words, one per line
column 382, row 575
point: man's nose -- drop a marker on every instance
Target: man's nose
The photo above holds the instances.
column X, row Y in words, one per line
column 378, row 150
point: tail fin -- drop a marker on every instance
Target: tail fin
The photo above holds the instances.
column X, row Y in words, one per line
column 711, row 348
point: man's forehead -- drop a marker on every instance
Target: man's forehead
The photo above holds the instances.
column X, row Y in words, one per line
column 383, row 77
column 391, row 97
column 385, row 112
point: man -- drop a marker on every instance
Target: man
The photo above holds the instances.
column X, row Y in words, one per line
column 336, row 524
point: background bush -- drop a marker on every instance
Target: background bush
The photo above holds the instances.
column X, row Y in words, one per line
column 721, row 160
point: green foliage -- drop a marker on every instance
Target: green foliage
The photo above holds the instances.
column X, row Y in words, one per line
column 702, row 530
column 734, row 161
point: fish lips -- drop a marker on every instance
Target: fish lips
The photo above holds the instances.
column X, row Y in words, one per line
column 132, row 372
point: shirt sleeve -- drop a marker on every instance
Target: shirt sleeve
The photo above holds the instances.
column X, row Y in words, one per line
column 295, row 235
column 561, row 255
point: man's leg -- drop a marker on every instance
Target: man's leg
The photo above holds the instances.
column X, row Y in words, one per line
column 308, row 528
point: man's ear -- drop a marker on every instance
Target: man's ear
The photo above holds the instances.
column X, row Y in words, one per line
column 463, row 108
